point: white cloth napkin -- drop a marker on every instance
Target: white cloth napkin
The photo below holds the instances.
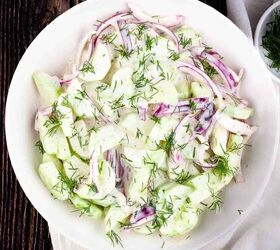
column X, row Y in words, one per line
column 261, row 229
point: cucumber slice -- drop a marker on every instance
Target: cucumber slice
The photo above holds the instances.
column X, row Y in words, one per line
column 104, row 177
column 50, row 176
column 238, row 112
column 98, row 66
column 162, row 129
column 137, row 190
column 49, row 89
column 181, row 222
column 201, row 90
column 139, row 129
column 166, row 93
column 64, row 107
column 188, row 37
column 53, row 159
column 218, row 140
column 79, row 140
column 54, row 144
column 86, row 207
column 116, row 216
column 75, row 168
column 81, row 103
column 105, row 138
column 172, row 195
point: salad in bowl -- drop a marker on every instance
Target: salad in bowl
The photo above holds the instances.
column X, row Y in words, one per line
column 147, row 128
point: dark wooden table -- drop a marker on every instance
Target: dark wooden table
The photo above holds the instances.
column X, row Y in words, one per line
column 21, row 227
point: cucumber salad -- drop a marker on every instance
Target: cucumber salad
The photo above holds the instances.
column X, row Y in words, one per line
column 146, row 129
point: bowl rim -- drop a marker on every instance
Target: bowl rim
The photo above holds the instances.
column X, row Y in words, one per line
column 258, row 33
column 59, row 227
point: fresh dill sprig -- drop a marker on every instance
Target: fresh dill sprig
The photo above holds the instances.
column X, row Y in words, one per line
column 140, row 81
column 183, row 177
column 174, row 56
column 139, row 31
column 149, row 42
column 216, row 202
column 155, row 119
column 168, row 143
column 184, row 41
column 118, row 103
column 55, row 120
column 208, row 69
column 193, row 106
column 65, row 102
column 271, row 41
column 40, row 147
column 123, row 52
column 109, row 38
column 139, row 133
column 115, row 238
column 87, row 67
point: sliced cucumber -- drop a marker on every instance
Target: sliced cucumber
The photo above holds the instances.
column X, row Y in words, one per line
column 86, row 207
column 238, row 112
column 139, row 129
column 181, row 222
column 98, row 66
column 50, row 176
column 166, row 93
column 104, row 177
column 188, row 37
column 116, row 216
column 53, row 159
column 218, row 140
column 105, row 138
column 162, row 129
column 49, row 89
column 137, row 189
column 201, row 90
column 64, row 108
column 80, row 102
column 79, row 140
column 54, row 144
column 75, row 168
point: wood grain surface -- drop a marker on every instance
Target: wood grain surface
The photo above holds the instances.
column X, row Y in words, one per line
column 21, row 227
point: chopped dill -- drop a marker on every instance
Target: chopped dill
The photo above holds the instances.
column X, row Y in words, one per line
column 139, row 133
column 168, row 143
column 271, row 41
column 155, row 119
column 118, row 103
column 216, row 202
column 174, row 55
column 208, row 69
column 108, row 38
column 87, row 67
column 184, row 41
column 55, row 120
column 123, row 52
column 40, row 147
column 65, row 102
column 115, row 238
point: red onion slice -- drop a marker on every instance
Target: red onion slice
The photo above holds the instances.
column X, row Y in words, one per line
column 113, row 157
column 125, row 36
column 225, row 72
column 168, row 21
column 205, row 119
column 183, row 107
column 169, row 33
column 45, row 111
column 142, row 110
column 195, row 71
column 142, row 216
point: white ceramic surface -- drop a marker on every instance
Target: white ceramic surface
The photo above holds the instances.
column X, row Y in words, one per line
column 266, row 18
column 55, row 47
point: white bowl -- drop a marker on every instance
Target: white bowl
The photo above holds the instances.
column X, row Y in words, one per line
column 266, row 18
column 52, row 50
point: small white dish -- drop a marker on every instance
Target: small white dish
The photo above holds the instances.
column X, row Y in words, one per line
column 266, row 18
column 52, row 51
